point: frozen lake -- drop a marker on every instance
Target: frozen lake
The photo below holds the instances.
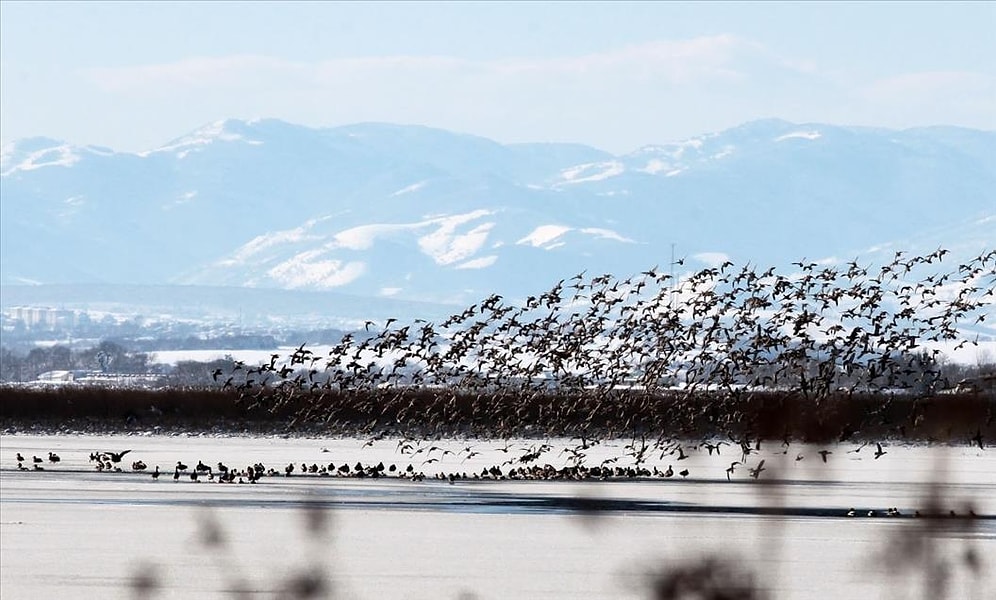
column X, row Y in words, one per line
column 70, row 531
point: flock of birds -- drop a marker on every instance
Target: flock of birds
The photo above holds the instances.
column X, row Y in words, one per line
column 526, row 461
column 591, row 343
column 524, row 466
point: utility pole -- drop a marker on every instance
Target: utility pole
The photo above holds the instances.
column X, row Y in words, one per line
column 671, row 304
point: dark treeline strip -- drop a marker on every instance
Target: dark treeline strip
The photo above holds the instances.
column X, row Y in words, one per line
column 954, row 418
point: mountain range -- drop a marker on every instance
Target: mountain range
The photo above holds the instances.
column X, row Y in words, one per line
column 385, row 211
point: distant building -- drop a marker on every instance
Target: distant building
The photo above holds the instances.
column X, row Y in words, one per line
column 45, row 318
column 56, row 377
column 85, row 377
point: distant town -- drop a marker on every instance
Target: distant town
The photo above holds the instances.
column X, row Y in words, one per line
column 49, row 345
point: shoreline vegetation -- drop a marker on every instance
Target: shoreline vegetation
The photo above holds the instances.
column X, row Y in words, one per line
column 951, row 418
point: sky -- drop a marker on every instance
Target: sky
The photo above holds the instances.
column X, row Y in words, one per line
column 132, row 76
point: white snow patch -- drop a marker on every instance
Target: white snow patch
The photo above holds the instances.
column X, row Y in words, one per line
column 478, row 263
column 303, row 271
column 202, row 137
column 58, row 156
column 675, row 151
column 592, row 171
column 268, row 240
column 656, row 165
column 726, row 151
column 26, row 281
column 445, row 246
column 183, row 199
column 695, row 144
column 363, row 237
column 411, row 188
column 800, row 135
column 100, row 150
column 172, row 357
column 711, row 259
column 543, row 235
column 878, row 248
column 606, row 234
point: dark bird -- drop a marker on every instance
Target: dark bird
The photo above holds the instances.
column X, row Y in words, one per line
column 53, row 457
column 879, row 452
column 711, row 447
column 823, row 453
column 116, row 456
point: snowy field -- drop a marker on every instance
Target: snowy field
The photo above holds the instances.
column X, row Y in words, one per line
column 979, row 353
column 72, row 532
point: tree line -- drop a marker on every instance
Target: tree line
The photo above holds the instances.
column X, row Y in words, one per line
column 106, row 357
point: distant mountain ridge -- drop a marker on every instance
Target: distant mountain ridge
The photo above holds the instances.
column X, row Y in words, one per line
column 416, row 213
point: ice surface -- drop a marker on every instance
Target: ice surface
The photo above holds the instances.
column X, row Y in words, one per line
column 71, row 532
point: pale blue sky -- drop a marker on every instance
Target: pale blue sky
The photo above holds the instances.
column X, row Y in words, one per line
column 614, row 75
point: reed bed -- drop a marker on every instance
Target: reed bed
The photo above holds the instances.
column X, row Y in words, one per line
column 954, row 418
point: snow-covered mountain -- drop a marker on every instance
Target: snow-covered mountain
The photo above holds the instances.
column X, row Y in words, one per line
column 415, row 213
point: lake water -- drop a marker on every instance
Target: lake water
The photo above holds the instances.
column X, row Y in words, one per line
column 72, row 532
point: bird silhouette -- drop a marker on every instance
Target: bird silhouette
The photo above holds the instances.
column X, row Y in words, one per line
column 879, row 453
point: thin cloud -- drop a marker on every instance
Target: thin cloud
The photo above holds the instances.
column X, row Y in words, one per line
column 197, row 72
column 700, row 59
column 619, row 98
